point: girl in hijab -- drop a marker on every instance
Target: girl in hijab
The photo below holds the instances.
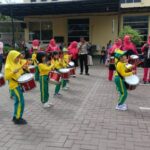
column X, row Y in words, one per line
column 73, row 51
column 13, row 70
column 52, row 46
column 129, row 46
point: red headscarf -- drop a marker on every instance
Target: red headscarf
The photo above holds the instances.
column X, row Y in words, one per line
column 73, row 50
column 128, row 45
column 52, row 46
column 116, row 45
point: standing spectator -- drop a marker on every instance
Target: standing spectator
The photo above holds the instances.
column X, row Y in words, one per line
column 146, row 53
column 83, row 55
column 102, row 55
column 1, row 55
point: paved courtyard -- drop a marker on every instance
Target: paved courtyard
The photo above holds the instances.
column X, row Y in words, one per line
column 83, row 119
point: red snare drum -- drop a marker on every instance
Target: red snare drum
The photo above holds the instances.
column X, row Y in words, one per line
column 133, row 59
column 72, row 72
column 27, row 82
column 112, row 60
column 64, row 73
column 32, row 69
column 54, row 77
column 2, row 81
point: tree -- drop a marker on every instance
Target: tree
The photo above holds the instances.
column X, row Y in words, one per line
column 135, row 34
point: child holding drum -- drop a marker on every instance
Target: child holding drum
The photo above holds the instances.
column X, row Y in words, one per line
column 44, row 70
column 13, row 70
column 35, row 48
column 119, row 78
column 66, row 59
column 58, row 62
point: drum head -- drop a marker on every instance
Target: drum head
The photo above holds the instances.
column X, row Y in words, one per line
column 134, row 57
column 26, row 77
column 31, row 66
column 65, row 70
column 132, row 80
column 1, row 75
column 71, row 64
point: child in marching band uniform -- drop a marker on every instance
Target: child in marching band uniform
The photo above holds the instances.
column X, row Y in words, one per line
column 13, row 70
column 35, row 48
column 44, row 70
column 58, row 63
column 119, row 78
column 66, row 59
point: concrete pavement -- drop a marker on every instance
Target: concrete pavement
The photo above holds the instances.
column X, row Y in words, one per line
column 83, row 119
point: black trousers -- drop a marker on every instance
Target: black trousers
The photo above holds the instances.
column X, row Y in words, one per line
column 84, row 61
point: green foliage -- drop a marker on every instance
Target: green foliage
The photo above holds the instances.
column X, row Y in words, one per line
column 135, row 35
column 7, row 48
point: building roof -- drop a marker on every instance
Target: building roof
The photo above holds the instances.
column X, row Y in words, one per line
column 55, row 8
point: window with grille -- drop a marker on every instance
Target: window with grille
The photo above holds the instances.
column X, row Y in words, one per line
column 78, row 28
column 130, row 1
column 139, row 23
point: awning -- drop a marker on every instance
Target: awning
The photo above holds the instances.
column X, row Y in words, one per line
column 56, row 8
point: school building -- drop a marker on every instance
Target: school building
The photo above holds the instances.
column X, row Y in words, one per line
column 97, row 20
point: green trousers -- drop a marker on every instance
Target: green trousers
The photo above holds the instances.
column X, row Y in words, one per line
column 36, row 73
column 44, row 88
column 121, row 88
column 18, row 102
column 63, row 83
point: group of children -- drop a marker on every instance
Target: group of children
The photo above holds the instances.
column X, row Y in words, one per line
column 121, row 52
column 16, row 66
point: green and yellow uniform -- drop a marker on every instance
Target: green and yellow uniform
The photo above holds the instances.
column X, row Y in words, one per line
column 44, row 70
column 58, row 63
column 66, row 60
column 119, row 79
column 35, row 63
column 14, row 86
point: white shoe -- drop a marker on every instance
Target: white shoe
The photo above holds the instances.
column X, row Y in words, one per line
column 51, row 104
column 65, row 88
column 46, row 105
column 121, row 107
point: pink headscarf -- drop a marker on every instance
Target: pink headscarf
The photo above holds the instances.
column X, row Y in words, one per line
column 116, row 45
column 73, row 50
column 128, row 45
column 1, row 47
column 35, row 45
column 52, row 46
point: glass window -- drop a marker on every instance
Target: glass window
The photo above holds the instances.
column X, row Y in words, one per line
column 40, row 30
column 34, row 30
column 33, row 0
column 46, row 31
column 130, row 1
column 78, row 28
column 139, row 23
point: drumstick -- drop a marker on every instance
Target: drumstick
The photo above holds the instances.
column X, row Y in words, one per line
column 138, row 63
